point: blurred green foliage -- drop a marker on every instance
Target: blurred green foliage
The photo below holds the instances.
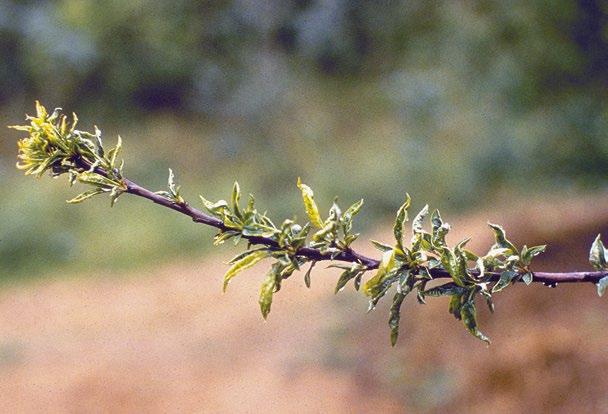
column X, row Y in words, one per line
column 454, row 102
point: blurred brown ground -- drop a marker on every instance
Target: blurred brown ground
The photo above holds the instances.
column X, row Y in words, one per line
column 167, row 340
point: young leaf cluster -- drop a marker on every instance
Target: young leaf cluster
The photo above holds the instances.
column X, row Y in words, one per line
column 54, row 144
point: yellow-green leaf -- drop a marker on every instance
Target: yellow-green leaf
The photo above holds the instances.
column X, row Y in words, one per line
column 84, row 196
column 244, row 263
column 386, row 265
column 309, row 204
column 401, row 218
column 266, row 292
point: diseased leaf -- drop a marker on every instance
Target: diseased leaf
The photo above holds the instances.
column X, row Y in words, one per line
column 401, row 218
column 455, row 263
column 236, row 196
column 309, row 204
column 597, row 254
column 350, row 273
column 448, row 289
column 602, row 284
column 218, row 209
column 222, row 236
column 501, row 239
column 171, row 182
column 96, row 179
column 440, row 229
column 529, row 253
column 418, row 222
column 113, row 153
column 468, row 313
column 85, row 196
column 266, row 292
column 357, row 281
column 395, row 316
column 244, row 263
column 505, row 280
column 353, row 210
column 455, row 305
column 527, row 278
column 114, row 194
column 372, row 286
column 383, row 247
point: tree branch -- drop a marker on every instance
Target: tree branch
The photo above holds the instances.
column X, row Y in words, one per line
column 350, row 255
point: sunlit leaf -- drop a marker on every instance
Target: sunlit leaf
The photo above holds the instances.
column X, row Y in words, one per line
column 309, row 204
column 85, row 196
column 401, row 218
column 501, row 238
column 597, row 254
column 244, row 263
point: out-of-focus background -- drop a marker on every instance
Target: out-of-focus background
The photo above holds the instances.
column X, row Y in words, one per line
column 489, row 110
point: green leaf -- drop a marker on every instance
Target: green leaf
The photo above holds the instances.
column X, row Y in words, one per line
column 236, row 196
column 99, row 149
column 96, row 179
column 401, row 218
column 448, row 289
column 501, row 239
column 268, row 288
column 395, row 316
column 372, row 286
column 114, row 194
column 309, row 204
column 468, row 313
column 527, row 278
column 353, row 210
column 307, row 275
column 529, row 253
column 598, row 254
column 222, row 236
column 383, row 247
column 85, row 196
column 218, row 209
column 505, row 280
column 244, row 263
column 602, row 284
column 113, row 153
column 350, row 273
column 455, row 305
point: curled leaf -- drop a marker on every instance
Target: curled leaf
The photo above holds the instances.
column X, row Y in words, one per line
column 501, row 239
column 417, row 223
column 307, row 275
column 401, row 218
column 395, row 316
column 597, row 254
column 468, row 313
column 602, row 284
column 268, row 287
column 236, row 196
